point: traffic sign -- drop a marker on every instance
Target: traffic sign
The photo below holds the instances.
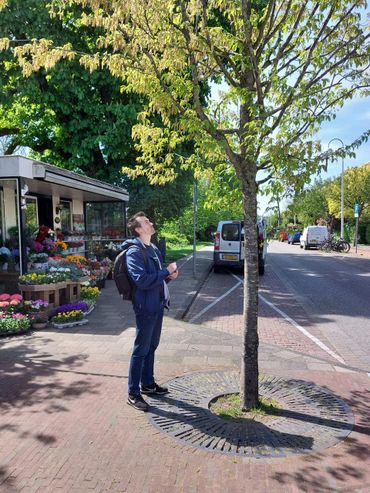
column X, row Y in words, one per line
column 357, row 210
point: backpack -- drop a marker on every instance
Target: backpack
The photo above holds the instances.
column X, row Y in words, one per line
column 124, row 283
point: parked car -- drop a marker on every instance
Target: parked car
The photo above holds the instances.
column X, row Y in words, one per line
column 294, row 237
column 312, row 236
column 229, row 245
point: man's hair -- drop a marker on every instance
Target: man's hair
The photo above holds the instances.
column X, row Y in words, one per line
column 133, row 223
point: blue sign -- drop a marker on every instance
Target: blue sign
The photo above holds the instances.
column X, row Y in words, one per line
column 357, row 210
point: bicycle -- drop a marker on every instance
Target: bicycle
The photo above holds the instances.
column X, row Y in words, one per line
column 335, row 245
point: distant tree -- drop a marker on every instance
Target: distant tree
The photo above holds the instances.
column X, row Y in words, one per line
column 356, row 191
column 311, row 204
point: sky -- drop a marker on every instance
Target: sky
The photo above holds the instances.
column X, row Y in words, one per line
column 351, row 122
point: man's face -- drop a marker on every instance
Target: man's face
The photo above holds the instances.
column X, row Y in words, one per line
column 146, row 227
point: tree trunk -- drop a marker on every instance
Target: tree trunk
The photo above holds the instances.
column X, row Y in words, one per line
column 249, row 369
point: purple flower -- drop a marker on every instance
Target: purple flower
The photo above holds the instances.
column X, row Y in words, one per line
column 79, row 305
column 36, row 246
column 38, row 305
column 48, row 244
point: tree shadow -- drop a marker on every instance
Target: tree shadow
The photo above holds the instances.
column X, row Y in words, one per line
column 33, row 381
column 338, row 468
column 196, row 425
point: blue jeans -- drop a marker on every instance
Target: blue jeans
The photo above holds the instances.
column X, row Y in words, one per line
column 148, row 334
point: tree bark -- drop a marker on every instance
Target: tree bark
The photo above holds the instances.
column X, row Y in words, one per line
column 249, row 367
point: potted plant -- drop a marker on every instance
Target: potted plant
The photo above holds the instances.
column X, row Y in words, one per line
column 37, row 311
column 68, row 319
column 39, row 320
column 11, row 303
column 69, row 307
column 90, row 294
column 39, row 260
column 13, row 323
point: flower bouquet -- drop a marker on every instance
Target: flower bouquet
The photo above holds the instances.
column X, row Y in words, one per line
column 107, row 266
column 68, row 319
column 59, row 247
column 78, row 259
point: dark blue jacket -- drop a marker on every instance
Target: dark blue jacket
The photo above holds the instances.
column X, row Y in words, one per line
column 148, row 295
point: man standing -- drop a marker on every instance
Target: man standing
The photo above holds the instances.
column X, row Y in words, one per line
column 150, row 297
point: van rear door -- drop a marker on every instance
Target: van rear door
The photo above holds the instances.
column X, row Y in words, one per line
column 230, row 241
column 316, row 235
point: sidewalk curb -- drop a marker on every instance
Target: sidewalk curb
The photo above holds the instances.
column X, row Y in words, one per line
column 196, row 292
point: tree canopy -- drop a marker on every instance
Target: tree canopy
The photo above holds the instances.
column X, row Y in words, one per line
column 72, row 117
column 356, row 191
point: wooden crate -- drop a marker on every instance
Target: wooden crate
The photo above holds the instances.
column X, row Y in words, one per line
column 55, row 294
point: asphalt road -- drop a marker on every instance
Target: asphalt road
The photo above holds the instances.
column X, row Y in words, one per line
column 333, row 292
column 312, row 302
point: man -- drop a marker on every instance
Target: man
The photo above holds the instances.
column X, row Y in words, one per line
column 150, row 297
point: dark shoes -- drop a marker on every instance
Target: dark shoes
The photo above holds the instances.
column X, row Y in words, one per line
column 153, row 389
column 137, row 402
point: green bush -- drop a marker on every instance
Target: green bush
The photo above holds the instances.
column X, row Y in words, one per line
column 172, row 235
column 349, row 232
column 367, row 234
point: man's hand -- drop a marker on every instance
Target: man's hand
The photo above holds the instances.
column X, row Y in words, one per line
column 173, row 275
column 172, row 268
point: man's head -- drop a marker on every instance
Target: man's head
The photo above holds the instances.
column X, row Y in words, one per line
column 139, row 225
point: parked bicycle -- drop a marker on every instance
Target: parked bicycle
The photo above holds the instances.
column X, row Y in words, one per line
column 332, row 245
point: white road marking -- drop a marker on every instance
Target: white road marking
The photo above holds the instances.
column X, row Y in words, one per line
column 215, row 301
column 304, row 331
column 187, row 260
column 283, row 314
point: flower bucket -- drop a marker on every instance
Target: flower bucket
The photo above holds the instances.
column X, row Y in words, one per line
column 40, row 265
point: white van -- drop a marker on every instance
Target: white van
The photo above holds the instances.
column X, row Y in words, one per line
column 229, row 245
column 312, row 236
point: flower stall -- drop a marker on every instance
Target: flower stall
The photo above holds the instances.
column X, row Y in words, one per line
column 51, row 218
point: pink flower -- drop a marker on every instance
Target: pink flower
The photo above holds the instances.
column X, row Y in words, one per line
column 14, row 302
column 4, row 297
column 16, row 297
column 18, row 316
column 3, row 304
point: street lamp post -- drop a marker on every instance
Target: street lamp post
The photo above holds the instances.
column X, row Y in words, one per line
column 342, row 191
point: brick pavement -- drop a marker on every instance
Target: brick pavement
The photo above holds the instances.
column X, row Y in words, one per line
column 65, row 427
column 228, row 316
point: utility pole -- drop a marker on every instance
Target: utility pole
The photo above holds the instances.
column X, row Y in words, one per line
column 342, row 191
